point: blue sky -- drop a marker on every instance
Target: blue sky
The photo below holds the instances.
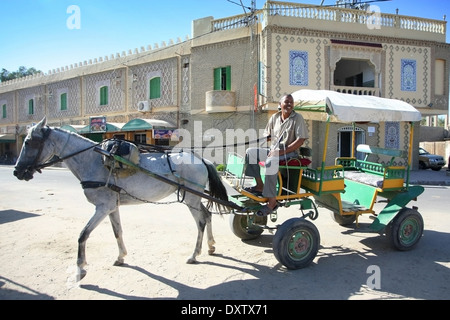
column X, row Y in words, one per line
column 35, row 33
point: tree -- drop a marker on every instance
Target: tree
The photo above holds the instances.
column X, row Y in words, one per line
column 5, row 75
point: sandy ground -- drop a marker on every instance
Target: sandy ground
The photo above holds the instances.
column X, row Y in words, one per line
column 40, row 221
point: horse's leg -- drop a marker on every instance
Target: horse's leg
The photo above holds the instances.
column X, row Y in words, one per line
column 211, row 241
column 195, row 206
column 100, row 213
column 117, row 228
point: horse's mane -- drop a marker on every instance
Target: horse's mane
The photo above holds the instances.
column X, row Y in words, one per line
column 74, row 134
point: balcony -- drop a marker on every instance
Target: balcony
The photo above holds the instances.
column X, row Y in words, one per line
column 359, row 91
column 338, row 19
column 220, row 101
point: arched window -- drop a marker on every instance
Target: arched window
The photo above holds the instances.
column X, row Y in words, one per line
column 31, row 106
column 155, row 88
column 104, row 95
column 63, row 100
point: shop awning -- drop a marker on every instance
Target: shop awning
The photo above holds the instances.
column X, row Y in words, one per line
column 147, row 124
column 7, row 138
column 73, row 128
column 110, row 127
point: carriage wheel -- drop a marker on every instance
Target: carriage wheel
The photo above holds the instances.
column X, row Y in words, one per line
column 405, row 230
column 240, row 226
column 343, row 220
column 296, row 243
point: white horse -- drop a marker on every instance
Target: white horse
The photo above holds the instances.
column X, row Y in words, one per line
column 107, row 191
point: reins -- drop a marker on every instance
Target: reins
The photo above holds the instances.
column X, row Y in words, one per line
column 146, row 147
column 57, row 159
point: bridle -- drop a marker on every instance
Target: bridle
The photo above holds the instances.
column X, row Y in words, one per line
column 38, row 143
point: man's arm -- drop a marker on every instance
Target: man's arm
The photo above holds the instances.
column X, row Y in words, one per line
column 293, row 146
column 290, row 148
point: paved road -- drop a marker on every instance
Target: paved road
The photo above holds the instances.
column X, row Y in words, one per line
column 35, row 258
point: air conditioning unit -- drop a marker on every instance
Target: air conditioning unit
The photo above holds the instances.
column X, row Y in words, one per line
column 143, row 106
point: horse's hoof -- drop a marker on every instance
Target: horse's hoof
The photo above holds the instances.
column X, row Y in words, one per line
column 118, row 263
column 211, row 251
column 81, row 274
column 191, row 261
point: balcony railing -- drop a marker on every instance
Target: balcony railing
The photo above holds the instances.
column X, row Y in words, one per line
column 339, row 15
column 359, row 91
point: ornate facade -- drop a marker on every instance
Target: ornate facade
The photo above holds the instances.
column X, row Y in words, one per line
column 232, row 72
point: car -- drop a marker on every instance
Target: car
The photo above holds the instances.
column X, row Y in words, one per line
column 430, row 161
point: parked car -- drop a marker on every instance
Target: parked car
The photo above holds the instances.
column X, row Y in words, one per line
column 430, row 161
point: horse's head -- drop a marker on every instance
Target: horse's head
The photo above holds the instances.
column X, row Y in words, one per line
column 33, row 152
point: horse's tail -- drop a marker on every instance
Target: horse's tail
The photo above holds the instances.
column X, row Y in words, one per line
column 216, row 187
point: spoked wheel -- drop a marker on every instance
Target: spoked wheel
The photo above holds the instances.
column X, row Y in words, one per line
column 296, row 243
column 405, row 230
column 240, row 226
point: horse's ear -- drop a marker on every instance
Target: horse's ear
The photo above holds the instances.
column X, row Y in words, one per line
column 43, row 122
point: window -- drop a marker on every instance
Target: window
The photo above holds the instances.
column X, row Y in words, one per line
column 104, row 93
column 222, row 78
column 63, row 100
column 119, row 136
column 155, row 88
column 31, row 107
column 140, row 138
column 4, row 111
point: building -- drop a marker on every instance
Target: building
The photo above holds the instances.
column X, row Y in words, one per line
column 231, row 73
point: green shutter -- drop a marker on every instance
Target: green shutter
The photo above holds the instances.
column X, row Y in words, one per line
column 31, row 106
column 228, row 77
column 4, row 111
column 104, row 96
column 218, row 79
column 155, row 88
column 64, row 101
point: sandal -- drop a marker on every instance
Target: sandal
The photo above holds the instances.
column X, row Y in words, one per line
column 264, row 211
column 253, row 191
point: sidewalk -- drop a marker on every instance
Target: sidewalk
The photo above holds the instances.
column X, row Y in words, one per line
column 430, row 177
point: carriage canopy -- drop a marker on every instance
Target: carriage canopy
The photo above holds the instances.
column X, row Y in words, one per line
column 342, row 107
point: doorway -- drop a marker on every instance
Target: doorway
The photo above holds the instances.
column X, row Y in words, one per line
column 345, row 141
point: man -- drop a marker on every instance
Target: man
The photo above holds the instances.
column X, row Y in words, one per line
column 287, row 131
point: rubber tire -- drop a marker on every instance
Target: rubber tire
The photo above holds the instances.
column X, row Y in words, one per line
column 436, row 169
column 422, row 165
column 239, row 226
column 405, row 230
column 343, row 220
column 286, row 242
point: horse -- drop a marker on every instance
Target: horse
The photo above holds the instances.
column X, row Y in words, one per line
column 107, row 190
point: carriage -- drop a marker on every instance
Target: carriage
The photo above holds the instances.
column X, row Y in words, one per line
column 349, row 188
column 113, row 174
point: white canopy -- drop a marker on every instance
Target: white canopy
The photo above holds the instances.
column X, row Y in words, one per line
column 344, row 107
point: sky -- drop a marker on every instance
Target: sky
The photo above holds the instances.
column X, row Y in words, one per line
column 51, row 34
